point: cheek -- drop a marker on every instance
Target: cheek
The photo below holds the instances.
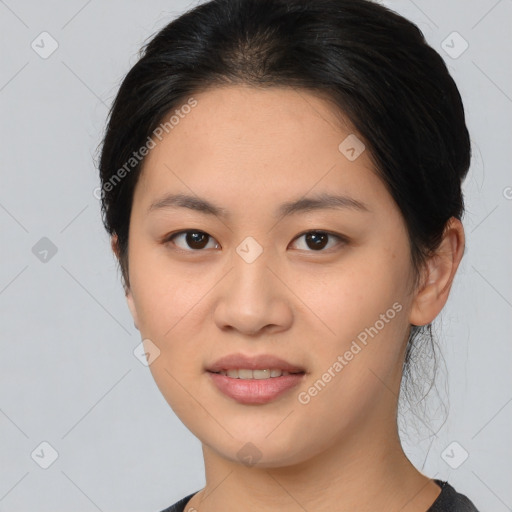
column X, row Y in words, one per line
column 357, row 360
column 165, row 294
column 352, row 296
column 169, row 304
column 174, row 311
column 364, row 304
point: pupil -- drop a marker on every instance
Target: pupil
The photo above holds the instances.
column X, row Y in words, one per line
column 195, row 239
column 319, row 240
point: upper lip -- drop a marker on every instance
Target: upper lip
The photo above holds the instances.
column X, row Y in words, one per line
column 259, row 362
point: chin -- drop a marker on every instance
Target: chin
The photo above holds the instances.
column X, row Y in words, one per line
column 258, row 449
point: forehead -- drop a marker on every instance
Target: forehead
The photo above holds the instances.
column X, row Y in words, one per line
column 246, row 142
column 271, row 120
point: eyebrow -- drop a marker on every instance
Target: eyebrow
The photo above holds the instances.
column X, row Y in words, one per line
column 304, row 204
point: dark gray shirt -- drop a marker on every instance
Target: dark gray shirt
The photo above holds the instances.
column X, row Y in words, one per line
column 448, row 501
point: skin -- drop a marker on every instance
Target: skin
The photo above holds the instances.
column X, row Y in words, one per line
column 248, row 150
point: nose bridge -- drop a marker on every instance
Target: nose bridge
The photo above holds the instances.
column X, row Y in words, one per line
column 251, row 298
column 251, row 280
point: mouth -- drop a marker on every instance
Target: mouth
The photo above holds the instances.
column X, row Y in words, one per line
column 254, row 380
column 245, row 373
column 243, row 364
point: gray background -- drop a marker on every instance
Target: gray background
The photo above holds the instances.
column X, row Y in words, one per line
column 68, row 375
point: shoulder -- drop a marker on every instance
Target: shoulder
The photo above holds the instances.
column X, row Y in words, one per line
column 451, row 501
column 179, row 506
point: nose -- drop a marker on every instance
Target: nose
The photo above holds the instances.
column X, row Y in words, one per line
column 253, row 299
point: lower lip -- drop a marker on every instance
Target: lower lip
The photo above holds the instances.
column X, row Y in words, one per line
column 255, row 391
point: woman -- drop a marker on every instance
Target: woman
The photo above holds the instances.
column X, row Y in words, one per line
column 282, row 183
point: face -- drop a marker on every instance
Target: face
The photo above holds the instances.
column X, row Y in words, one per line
column 237, row 279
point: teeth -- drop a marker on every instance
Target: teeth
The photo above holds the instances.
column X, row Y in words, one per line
column 261, row 374
column 243, row 373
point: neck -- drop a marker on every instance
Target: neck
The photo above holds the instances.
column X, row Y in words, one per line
column 366, row 470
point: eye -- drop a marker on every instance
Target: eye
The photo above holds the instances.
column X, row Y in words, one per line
column 318, row 240
column 195, row 240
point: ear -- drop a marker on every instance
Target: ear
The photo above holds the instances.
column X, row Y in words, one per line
column 127, row 291
column 133, row 309
column 114, row 245
column 432, row 294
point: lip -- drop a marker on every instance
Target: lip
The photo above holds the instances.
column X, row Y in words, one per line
column 254, row 391
column 259, row 362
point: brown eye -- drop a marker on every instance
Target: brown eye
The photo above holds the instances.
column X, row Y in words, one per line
column 195, row 240
column 318, row 240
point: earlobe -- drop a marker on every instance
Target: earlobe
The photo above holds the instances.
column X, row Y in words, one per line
column 114, row 245
column 432, row 294
column 133, row 309
column 127, row 291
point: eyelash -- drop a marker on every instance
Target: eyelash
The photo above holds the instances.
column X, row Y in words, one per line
column 342, row 239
